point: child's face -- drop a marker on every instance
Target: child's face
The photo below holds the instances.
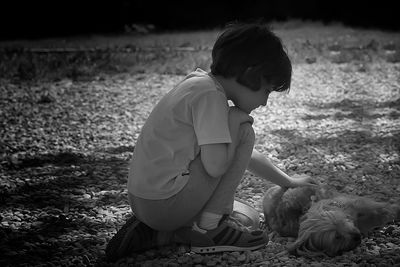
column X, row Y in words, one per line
column 250, row 100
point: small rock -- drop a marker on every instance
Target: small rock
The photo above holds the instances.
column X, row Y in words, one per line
column 235, row 254
column 45, row 99
column 311, row 60
column 141, row 257
column 390, row 245
column 150, row 253
column 37, row 224
column 211, row 263
column 85, row 260
column 256, row 255
column 197, row 259
column 241, row 258
column 184, row 259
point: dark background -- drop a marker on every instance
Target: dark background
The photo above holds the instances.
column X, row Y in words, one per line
column 38, row 19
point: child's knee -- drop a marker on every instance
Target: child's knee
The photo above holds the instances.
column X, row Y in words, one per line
column 246, row 133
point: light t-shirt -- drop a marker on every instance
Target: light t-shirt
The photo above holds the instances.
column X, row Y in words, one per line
column 192, row 114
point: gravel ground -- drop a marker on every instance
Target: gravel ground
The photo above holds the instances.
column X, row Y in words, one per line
column 65, row 145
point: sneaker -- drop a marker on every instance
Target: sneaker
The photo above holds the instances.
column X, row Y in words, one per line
column 134, row 236
column 230, row 235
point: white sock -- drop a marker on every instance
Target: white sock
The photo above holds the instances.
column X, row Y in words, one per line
column 209, row 220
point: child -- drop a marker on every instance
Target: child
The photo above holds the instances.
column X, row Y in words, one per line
column 194, row 149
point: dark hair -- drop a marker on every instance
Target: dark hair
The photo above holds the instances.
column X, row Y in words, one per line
column 250, row 52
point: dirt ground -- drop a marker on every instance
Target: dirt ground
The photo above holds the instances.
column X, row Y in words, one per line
column 70, row 117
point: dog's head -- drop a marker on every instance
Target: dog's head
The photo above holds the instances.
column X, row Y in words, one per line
column 370, row 214
column 325, row 231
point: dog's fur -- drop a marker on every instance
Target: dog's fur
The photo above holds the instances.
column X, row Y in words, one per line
column 323, row 221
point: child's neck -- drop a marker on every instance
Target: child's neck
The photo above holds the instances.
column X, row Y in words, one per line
column 230, row 86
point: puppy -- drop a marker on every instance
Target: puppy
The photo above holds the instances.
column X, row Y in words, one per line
column 323, row 221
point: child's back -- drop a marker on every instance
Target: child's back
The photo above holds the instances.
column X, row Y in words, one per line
column 194, row 113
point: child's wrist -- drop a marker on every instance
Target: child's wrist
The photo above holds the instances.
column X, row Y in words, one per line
column 286, row 183
column 291, row 183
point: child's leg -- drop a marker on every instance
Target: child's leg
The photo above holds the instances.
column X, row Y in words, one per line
column 203, row 193
column 181, row 209
column 214, row 232
column 221, row 201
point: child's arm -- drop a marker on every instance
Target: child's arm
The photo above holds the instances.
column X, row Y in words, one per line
column 216, row 158
column 262, row 167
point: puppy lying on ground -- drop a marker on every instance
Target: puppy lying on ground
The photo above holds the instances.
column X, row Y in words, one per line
column 324, row 222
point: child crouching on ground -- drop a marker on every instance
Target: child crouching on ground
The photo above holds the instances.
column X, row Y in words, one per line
column 194, row 149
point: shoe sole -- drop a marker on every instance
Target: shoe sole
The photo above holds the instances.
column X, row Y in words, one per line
column 215, row 249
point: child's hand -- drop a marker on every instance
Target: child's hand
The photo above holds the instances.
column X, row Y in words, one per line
column 240, row 116
column 302, row 180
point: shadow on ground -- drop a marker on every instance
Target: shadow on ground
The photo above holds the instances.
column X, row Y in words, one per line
column 58, row 205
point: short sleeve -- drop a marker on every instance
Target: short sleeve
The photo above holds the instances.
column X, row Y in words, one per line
column 210, row 118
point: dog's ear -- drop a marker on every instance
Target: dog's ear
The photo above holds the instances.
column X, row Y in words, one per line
column 370, row 214
column 282, row 209
column 303, row 247
column 271, row 201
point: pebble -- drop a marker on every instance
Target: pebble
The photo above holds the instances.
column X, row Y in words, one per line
column 37, row 224
column 197, row 259
column 235, row 254
column 150, row 253
column 211, row 263
column 184, row 259
column 256, row 255
column 390, row 245
column 242, row 258
column 141, row 257
column 86, row 260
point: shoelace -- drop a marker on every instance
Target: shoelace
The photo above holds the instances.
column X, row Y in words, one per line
column 263, row 225
column 236, row 224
